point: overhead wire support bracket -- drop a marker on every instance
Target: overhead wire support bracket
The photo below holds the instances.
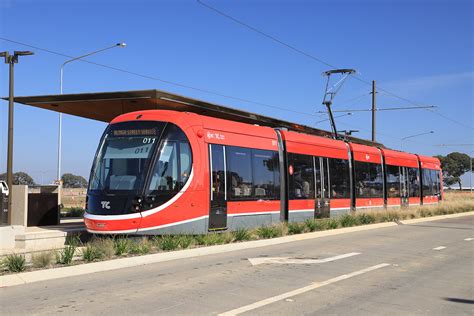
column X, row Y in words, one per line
column 331, row 91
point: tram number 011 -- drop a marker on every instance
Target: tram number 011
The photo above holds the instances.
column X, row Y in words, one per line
column 149, row 140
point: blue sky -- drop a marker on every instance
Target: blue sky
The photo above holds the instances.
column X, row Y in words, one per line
column 420, row 50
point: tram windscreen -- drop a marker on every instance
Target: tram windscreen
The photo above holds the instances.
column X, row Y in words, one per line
column 124, row 156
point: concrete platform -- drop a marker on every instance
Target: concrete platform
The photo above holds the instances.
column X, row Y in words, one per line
column 18, row 239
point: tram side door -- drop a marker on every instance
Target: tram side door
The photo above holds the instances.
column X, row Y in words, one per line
column 321, row 173
column 404, row 189
column 218, row 175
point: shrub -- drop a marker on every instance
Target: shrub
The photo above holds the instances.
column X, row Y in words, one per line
column 295, row 228
column 269, row 232
column 227, row 237
column 42, row 259
column 15, row 262
column 169, row 242
column 185, row 241
column 311, row 225
column 140, row 247
column 121, row 246
column 365, row 218
column 213, row 239
column 389, row 216
column 321, row 224
column 65, row 255
column 105, row 246
column 332, row 223
column 347, row 220
column 425, row 212
column 91, row 253
column 241, row 234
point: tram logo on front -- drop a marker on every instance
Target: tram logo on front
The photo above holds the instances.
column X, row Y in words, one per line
column 105, row 204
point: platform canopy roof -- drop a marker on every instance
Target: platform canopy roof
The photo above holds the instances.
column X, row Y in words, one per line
column 105, row 106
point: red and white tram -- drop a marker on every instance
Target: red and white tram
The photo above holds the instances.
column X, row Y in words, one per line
column 161, row 171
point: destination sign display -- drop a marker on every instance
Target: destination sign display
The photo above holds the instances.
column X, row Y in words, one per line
column 135, row 132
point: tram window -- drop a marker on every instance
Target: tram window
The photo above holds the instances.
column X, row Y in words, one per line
column 240, row 166
column 414, row 182
column 266, row 175
column 435, row 180
column 165, row 175
column 185, row 158
column 339, row 176
column 369, row 180
column 301, row 181
column 427, row 183
column 362, row 177
column 376, row 180
column 393, row 181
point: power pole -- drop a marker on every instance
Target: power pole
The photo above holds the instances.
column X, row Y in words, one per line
column 373, row 109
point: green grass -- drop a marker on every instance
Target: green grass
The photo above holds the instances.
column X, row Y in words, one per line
column 331, row 223
column 168, row 242
column 311, row 225
column 15, row 262
column 141, row 247
column 365, row 218
column 65, row 255
column 185, row 241
column 295, row 228
column 267, row 232
column 91, row 253
column 242, row 234
column 121, row 246
column 347, row 220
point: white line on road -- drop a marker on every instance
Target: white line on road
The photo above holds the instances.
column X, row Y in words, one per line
column 288, row 260
column 302, row 290
column 469, row 239
column 439, row 248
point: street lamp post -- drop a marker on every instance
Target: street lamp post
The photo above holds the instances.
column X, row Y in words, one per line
column 11, row 60
column 61, row 92
column 416, row 135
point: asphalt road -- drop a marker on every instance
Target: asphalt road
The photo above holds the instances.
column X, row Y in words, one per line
column 389, row 271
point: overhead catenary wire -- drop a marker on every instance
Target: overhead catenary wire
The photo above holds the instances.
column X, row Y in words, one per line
column 383, row 109
column 170, row 82
column 223, row 95
column 311, row 56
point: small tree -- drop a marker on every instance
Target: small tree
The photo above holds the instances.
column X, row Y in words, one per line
column 19, row 178
column 454, row 165
column 72, row 181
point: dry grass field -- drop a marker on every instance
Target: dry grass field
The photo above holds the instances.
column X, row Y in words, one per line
column 454, row 202
column 73, row 198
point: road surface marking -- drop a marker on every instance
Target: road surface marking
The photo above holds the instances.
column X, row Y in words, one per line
column 469, row 239
column 288, row 260
column 302, row 290
column 439, row 248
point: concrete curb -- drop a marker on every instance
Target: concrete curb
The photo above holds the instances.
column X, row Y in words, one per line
column 435, row 218
column 115, row 264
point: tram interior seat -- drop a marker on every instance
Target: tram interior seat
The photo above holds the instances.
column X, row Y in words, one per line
column 260, row 192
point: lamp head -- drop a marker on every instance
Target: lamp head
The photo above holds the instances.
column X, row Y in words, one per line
column 122, row 44
column 22, row 53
